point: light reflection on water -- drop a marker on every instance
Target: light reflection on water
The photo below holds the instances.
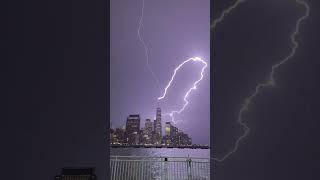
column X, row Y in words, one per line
column 153, row 152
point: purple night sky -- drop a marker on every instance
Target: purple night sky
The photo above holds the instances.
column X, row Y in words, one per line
column 173, row 31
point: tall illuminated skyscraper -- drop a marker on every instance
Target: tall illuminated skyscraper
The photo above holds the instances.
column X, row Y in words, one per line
column 158, row 127
column 168, row 133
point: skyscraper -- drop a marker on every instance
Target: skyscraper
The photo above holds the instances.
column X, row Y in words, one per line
column 133, row 129
column 174, row 135
column 167, row 128
column 148, row 131
column 157, row 127
column 184, row 139
column 168, row 137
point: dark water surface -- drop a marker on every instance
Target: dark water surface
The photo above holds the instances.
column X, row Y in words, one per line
column 169, row 152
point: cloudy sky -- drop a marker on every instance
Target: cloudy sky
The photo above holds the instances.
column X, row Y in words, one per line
column 173, row 31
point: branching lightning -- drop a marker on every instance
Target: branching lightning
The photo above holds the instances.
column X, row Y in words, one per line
column 270, row 82
column 194, row 87
column 146, row 49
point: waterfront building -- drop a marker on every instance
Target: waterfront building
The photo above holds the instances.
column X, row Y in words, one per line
column 133, row 129
column 118, row 136
column 184, row 139
column 148, row 131
column 168, row 133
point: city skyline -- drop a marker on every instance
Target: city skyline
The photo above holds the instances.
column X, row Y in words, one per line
column 151, row 133
column 133, row 133
column 133, row 89
column 144, row 121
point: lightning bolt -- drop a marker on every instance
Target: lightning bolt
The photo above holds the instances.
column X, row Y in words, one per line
column 194, row 87
column 146, row 49
column 225, row 13
column 269, row 82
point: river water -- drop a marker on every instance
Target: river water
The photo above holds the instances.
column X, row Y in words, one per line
column 168, row 152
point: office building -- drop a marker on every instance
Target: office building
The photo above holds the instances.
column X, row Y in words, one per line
column 158, row 127
column 118, row 136
column 184, row 139
column 168, row 137
column 133, row 129
column 148, row 131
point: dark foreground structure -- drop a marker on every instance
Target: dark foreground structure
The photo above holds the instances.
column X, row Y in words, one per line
column 76, row 174
column 159, row 168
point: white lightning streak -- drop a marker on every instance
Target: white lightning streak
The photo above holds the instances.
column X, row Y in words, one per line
column 146, row 49
column 225, row 13
column 269, row 82
column 194, row 87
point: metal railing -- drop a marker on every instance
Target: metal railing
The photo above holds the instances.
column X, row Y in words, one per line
column 159, row 168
